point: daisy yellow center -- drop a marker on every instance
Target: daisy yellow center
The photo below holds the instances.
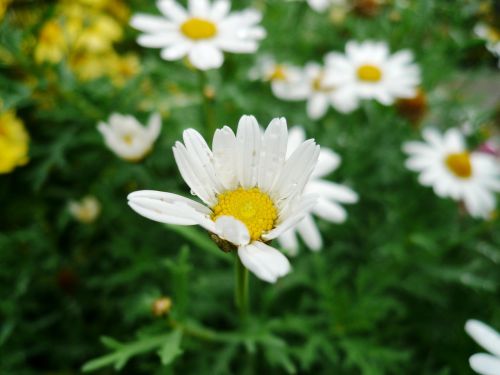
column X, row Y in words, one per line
column 319, row 86
column 198, row 28
column 251, row 206
column 459, row 164
column 278, row 74
column 369, row 73
column 128, row 139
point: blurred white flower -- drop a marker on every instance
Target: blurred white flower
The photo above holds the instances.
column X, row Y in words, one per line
column 127, row 138
column 489, row 339
column 444, row 163
column 322, row 5
column 330, row 195
column 251, row 191
column 368, row 71
column 492, row 38
column 201, row 32
column 86, row 210
column 311, row 85
column 280, row 75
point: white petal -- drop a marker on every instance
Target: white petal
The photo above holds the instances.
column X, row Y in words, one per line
column 264, row 261
column 192, row 173
column 220, row 9
column 205, row 56
column 296, row 136
column 170, row 208
column 296, row 171
column 172, row 10
column 328, row 161
column 199, row 8
column 293, row 217
column 484, row 335
column 485, row 364
column 175, row 52
column 199, row 151
column 288, row 241
column 151, row 24
column 225, row 154
column 158, row 40
column 317, row 106
column 154, row 126
column 331, row 190
column 310, row 234
column 272, row 153
column 232, row 230
column 330, row 211
column 248, row 139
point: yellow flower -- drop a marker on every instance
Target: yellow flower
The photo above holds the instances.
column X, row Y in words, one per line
column 3, row 7
column 51, row 45
column 86, row 210
column 122, row 68
column 13, row 142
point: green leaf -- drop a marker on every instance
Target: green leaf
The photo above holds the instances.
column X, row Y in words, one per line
column 171, row 348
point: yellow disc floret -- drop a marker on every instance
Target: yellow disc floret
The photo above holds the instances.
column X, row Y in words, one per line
column 459, row 164
column 251, row 206
column 13, row 142
column 278, row 74
column 369, row 73
column 198, row 28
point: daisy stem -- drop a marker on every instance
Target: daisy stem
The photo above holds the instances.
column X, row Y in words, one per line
column 207, row 110
column 241, row 291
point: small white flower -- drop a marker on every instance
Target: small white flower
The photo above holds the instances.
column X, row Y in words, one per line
column 312, row 85
column 370, row 72
column 444, row 163
column 282, row 76
column 492, row 38
column 251, row 191
column 201, row 32
column 86, row 210
column 330, row 195
column 127, row 138
column 489, row 339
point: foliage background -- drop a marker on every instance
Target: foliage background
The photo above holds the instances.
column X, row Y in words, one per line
column 389, row 293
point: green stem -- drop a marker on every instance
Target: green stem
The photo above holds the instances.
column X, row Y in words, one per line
column 207, row 109
column 241, row 291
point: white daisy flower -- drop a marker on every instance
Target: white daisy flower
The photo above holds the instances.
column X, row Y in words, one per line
column 251, row 192
column 127, row 138
column 370, row 72
column 330, row 196
column 201, row 32
column 444, row 163
column 492, row 38
column 489, row 339
column 312, row 85
column 86, row 211
column 282, row 76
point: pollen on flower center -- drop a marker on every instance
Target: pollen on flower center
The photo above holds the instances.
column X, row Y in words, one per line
column 128, row 138
column 198, row 28
column 459, row 164
column 278, row 74
column 369, row 73
column 251, row 206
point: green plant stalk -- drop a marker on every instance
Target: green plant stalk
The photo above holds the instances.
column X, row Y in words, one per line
column 241, row 289
column 207, row 108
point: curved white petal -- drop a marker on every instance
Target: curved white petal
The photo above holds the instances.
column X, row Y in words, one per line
column 272, row 153
column 328, row 161
column 310, row 234
column 331, row 190
column 232, row 230
column 288, row 241
column 330, row 211
column 248, row 140
column 485, row 364
column 170, row 208
column 484, row 335
column 225, row 155
column 264, row 261
column 205, row 56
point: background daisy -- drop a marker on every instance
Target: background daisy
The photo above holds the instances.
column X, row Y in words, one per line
column 202, row 32
column 489, row 339
column 370, row 72
column 444, row 162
